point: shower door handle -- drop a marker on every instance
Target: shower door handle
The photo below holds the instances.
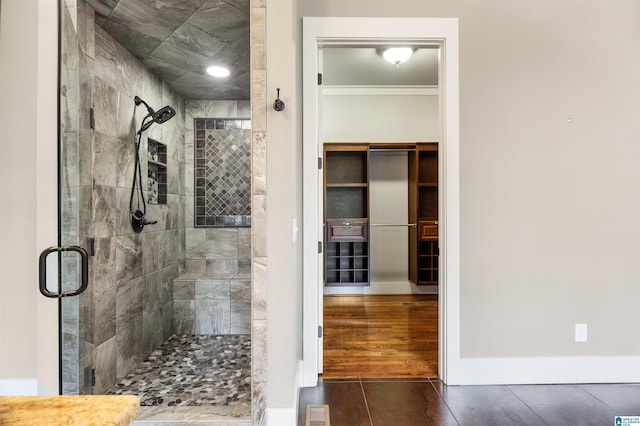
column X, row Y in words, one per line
column 42, row 266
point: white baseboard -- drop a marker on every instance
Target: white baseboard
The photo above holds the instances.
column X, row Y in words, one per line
column 545, row 370
column 287, row 416
column 18, row 387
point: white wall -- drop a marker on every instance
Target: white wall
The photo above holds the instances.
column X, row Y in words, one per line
column 28, row 328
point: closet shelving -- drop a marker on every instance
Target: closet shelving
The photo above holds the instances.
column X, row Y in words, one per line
column 427, row 203
column 346, row 214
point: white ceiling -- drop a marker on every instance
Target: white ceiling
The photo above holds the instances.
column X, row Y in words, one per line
column 364, row 66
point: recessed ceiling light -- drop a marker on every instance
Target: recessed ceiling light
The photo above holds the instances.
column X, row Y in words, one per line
column 218, row 71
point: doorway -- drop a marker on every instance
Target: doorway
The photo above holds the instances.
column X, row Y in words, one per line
column 380, row 301
column 321, row 32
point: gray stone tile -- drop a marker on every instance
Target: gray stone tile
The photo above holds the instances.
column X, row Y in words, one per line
column 105, row 314
column 104, row 212
column 129, row 353
column 102, row 266
column 184, row 315
column 218, row 289
column 128, row 257
column 227, row 268
column 241, row 290
column 129, row 303
column 104, row 164
column 240, row 317
column 184, row 290
column 106, row 365
column 212, row 317
column 152, row 331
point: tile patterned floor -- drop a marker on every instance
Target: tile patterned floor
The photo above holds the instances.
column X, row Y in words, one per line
column 193, row 377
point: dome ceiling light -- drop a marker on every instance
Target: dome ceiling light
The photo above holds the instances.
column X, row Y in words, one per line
column 397, row 55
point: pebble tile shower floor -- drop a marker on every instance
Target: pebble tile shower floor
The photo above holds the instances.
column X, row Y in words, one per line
column 193, row 378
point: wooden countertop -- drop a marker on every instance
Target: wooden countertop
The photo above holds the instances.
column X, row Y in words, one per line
column 69, row 410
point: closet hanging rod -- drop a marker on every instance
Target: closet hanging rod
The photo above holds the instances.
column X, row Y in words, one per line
column 392, row 149
column 392, row 224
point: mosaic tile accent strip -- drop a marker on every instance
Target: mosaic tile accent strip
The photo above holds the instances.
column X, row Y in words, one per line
column 193, row 371
column 222, row 172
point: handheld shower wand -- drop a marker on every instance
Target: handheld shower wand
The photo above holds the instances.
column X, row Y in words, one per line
column 138, row 219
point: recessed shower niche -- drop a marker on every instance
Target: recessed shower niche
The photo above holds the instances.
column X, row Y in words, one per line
column 157, row 172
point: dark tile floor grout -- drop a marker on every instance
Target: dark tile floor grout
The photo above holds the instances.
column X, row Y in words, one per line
column 407, row 402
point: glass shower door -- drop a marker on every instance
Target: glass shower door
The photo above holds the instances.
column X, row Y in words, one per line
column 74, row 217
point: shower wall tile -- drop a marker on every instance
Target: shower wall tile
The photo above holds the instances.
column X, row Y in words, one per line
column 168, row 275
column 223, row 268
column 244, row 243
column 259, row 101
column 212, row 317
column 104, row 214
column 104, row 160
column 123, row 217
column 244, row 109
column 105, row 57
column 129, row 303
column 259, row 369
column 85, row 204
column 105, row 315
column 129, row 354
column 178, row 211
column 196, row 243
column 259, row 163
column 102, row 266
column 259, row 222
column 219, row 289
column 105, row 365
column 184, row 316
column 124, row 163
column 244, row 269
column 258, row 29
column 173, row 179
column 152, row 331
column 222, row 243
column 152, row 293
column 184, row 290
column 173, row 247
column 240, row 317
column 152, row 250
column 172, row 212
column 125, row 120
column 128, row 257
column 167, row 320
column 105, row 104
column 129, row 71
column 259, row 282
column 196, row 266
column 240, row 290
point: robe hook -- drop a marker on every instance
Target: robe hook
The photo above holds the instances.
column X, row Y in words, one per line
column 278, row 105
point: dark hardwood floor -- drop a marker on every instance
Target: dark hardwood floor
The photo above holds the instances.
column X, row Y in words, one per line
column 380, row 369
column 388, row 336
column 408, row 402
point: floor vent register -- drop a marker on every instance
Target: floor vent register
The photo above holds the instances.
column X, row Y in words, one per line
column 317, row 415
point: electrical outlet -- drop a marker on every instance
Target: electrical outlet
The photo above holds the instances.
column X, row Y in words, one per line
column 581, row 333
